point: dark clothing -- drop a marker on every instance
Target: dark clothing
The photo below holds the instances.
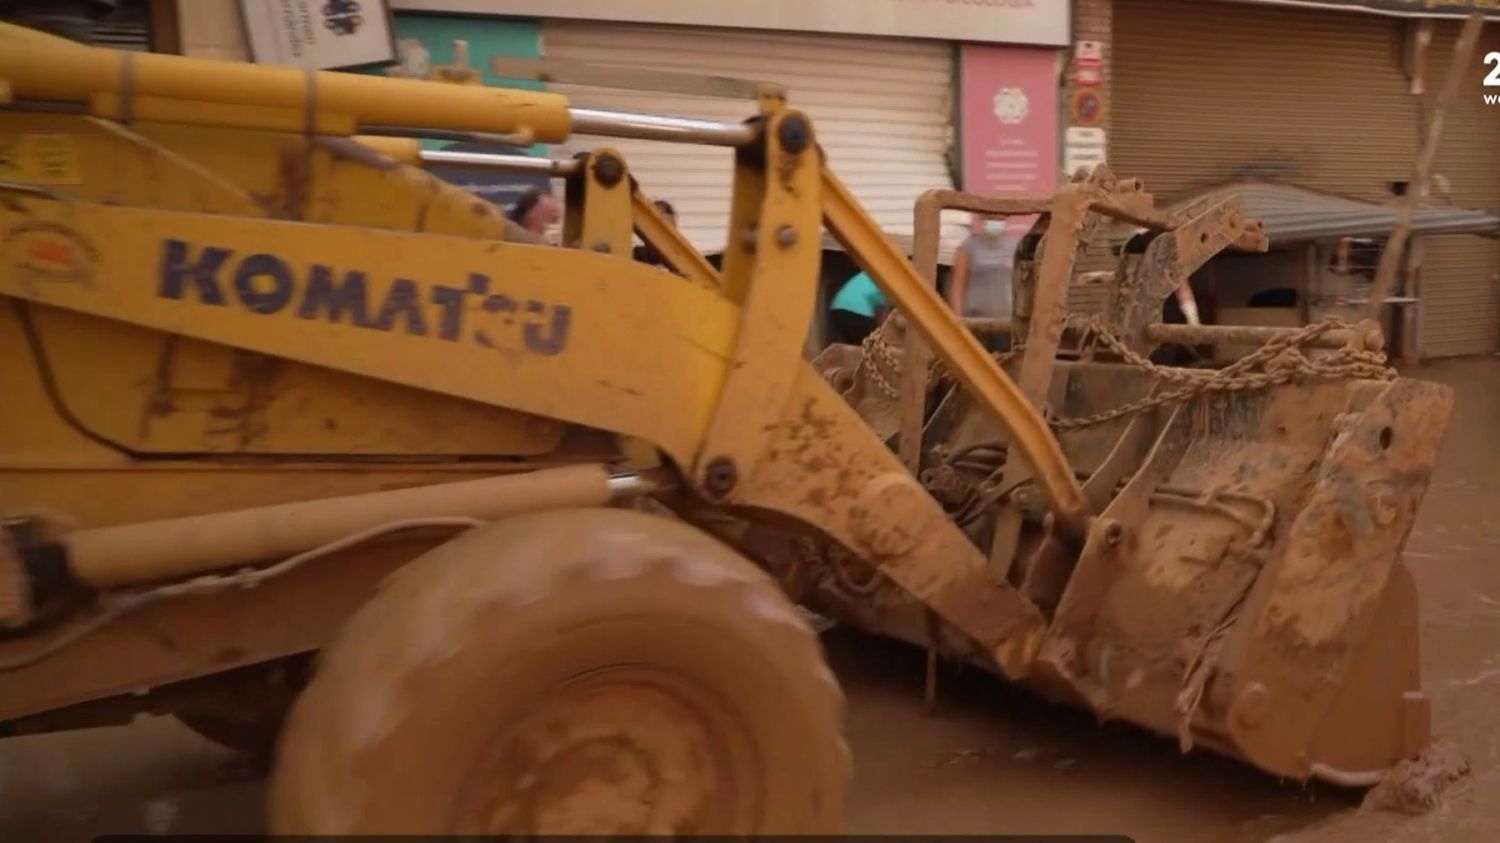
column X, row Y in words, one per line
column 850, row 328
column 650, row 255
column 996, row 343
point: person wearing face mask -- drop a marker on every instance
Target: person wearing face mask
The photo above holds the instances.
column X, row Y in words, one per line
column 981, row 281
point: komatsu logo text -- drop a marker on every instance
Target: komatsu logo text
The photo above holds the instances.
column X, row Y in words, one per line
column 265, row 284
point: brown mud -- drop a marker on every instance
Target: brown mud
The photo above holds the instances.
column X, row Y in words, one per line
column 992, row 758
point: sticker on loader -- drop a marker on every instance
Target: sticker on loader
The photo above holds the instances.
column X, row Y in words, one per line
column 43, row 253
column 40, row 158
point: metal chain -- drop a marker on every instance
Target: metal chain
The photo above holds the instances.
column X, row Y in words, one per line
column 880, row 354
column 1278, row 362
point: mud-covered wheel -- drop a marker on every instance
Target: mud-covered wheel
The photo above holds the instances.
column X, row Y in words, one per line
column 577, row 671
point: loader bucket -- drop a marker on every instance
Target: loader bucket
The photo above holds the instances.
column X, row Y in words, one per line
column 1225, row 567
column 1241, row 586
column 1243, row 589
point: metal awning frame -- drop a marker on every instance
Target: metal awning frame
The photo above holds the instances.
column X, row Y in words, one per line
column 1385, row 8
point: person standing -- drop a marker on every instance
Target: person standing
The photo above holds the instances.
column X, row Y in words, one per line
column 856, row 309
column 982, row 269
column 536, row 211
column 646, row 253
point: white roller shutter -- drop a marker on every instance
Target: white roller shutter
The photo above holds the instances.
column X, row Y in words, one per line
column 881, row 109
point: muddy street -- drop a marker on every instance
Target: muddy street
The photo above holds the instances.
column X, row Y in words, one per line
column 992, row 759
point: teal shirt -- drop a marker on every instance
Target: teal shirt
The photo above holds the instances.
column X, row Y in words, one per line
column 860, row 295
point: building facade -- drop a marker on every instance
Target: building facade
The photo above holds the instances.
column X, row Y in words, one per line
column 886, row 82
column 1331, row 97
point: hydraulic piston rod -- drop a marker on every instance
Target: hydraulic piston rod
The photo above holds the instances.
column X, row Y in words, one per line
column 621, row 124
column 40, row 68
column 506, row 163
column 131, row 554
column 75, row 73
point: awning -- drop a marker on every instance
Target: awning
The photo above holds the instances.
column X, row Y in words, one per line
column 1296, row 215
column 1396, row 8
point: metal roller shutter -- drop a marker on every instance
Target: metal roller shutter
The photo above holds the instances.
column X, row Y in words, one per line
column 134, row 35
column 1310, row 97
column 881, row 109
column 1460, row 304
column 1314, row 98
column 1461, row 273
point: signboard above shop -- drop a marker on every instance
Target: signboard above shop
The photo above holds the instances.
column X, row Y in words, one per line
column 1397, row 8
column 1009, row 120
column 1034, row 22
column 319, row 34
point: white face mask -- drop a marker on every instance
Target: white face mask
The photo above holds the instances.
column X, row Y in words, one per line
column 994, row 228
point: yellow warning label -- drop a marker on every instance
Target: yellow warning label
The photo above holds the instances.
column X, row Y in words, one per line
column 40, row 158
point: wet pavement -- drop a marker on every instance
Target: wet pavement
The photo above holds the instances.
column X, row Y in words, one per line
column 992, row 758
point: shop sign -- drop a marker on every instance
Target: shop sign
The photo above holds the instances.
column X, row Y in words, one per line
column 319, row 34
column 1009, row 120
column 1086, row 108
column 1088, row 63
column 1083, row 149
column 1036, row 22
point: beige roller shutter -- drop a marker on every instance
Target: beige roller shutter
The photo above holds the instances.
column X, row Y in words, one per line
column 1460, row 287
column 212, row 29
column 881, row 109
column 1317, row 98
column 1460, row 301
column 1209, row 93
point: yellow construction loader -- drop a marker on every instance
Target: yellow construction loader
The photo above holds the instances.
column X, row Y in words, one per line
column 516, row 532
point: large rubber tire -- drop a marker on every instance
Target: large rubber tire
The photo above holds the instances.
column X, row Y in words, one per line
column 569, row 672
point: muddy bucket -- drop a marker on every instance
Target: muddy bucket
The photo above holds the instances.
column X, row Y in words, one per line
column 1242, row 588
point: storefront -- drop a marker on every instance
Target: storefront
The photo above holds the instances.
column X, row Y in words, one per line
column 880, row 78
column 906, row 95
column 881, row 108
column 136, row 25
column 1329, row 97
